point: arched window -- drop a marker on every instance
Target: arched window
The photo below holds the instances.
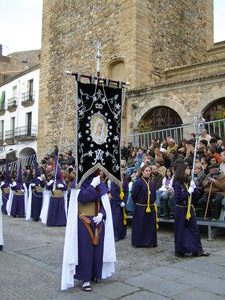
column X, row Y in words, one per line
column 215, row 110
column 161, row 117
column 117, row 70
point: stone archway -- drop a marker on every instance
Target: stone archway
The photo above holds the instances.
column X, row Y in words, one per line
column 26, row 152
column 170, row 104
column 161, row 117
column 208, row 98
column 215, row 110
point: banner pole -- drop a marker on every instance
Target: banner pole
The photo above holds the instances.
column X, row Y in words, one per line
column 98, row 60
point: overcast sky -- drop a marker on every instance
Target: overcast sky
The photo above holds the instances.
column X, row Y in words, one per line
column 20, row 24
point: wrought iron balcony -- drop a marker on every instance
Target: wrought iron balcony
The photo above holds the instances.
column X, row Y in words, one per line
column 26, row 133
column 2, row 110
column 12, row 104
column 23, row 133
column 27, row 99
column 9, row 137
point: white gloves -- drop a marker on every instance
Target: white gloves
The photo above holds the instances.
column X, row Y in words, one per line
column 60, row 185
column 39, row 177
column 50, row 182
column 122, row 204
column 2, row 183
column 190, row 190
column 212, row 179
column 96, row 181
column 98, row 218
column 13, row 184
column 22, row 190
column 192, row 184
column 32, row 184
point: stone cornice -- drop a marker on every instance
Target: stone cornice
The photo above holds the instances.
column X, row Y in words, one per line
column 165, row 85
column 188, row 67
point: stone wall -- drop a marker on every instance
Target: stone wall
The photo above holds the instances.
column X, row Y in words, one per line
column 70, row 32
column 17, row 62
column 172, row 34
column 147, row 35
column 186, row 98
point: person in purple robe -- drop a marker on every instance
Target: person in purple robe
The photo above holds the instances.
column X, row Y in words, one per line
column 89, row 241
column 118, row 200
column 186, row 232
column 57, row 209
column 18, row 196
column 5, row 189
column 144, row 223
column 90, row 231
column 35, row 195
column 1, row 229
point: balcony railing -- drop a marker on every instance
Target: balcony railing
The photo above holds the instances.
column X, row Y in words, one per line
column 2, row 109
column 25, row 133
column 21, row 134
column 177, row 133
column 9, row 137
column 13, row 166
column 12, row 104
column 27, row 99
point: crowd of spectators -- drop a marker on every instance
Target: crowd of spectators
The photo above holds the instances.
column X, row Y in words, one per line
column 161, row 156
column 209, row 170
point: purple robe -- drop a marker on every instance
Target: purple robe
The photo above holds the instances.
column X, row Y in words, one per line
column 90, row 257
column 144, row 233
column 56, row 210
column 5, row 196
column 18, row 208
column 187, row 236
column 37, row 199
column 120, row 229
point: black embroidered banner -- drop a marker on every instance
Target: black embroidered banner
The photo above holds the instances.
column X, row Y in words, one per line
column 99, row 110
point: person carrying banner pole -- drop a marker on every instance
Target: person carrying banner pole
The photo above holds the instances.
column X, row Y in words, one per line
column 89, row 248
column 186, row 232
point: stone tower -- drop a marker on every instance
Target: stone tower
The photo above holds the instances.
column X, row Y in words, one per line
column 140, row 39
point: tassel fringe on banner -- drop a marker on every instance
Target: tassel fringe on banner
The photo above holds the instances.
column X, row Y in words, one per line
column 98, row 166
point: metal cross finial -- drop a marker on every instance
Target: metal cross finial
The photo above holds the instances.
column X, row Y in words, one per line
column 198, row 123
column 98, row 57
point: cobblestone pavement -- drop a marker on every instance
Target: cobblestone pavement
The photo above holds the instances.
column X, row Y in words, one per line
column 30, row 268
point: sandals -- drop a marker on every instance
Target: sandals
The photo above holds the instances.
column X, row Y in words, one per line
column 205, row 254
column 180, row 255
column 86, row 286
column 202, row 253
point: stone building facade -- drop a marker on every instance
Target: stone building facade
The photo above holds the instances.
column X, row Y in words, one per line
column 17, row 62
column 164, row 49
